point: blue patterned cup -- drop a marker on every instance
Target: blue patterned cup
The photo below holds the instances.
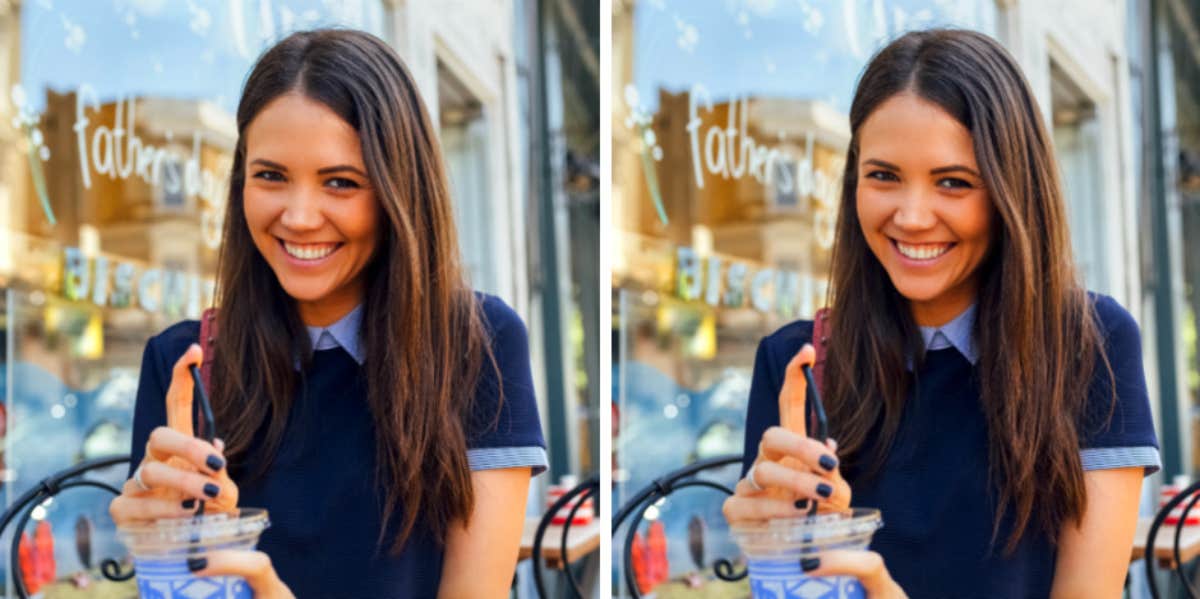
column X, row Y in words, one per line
column 161, row 549
column 774, row 549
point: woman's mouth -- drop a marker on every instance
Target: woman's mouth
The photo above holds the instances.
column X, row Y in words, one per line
column 309, row 252
column 922, row 252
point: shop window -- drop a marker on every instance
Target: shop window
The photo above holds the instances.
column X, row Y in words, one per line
column 1077, row 144
column 116, row 136
column 464, row 137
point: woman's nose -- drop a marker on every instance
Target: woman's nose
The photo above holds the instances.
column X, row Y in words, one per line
column 915, row 212
column 302, row 211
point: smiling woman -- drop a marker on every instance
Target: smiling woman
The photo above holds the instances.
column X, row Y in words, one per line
column 923, row 208
column 378, row 408
column 310, row 207
column 991, row 408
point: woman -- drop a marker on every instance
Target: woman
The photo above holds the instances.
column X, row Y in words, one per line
column 381, row 411
column 994, row 411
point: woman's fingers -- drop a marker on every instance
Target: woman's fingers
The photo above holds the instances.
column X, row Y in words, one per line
column 802, row 485
column 778, row 443
column 126, row 509
column 161, row 476
column 166, row 443
column 741, row 508
column 254, row 566
column 179, row 393
column 866, row 566
column 793, row 395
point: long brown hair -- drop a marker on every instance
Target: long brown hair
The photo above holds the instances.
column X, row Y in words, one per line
column 1037, row 338
column 425, row 343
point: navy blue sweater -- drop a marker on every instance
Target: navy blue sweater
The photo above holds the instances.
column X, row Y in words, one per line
column 321, row 492
column 933, row 490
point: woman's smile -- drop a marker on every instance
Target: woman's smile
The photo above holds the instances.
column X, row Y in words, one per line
column 308, row 254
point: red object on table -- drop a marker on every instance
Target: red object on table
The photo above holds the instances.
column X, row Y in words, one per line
column 28, row 568
column 1168, row 493
column 45, row 568
column 656, row 541
column 584, row 515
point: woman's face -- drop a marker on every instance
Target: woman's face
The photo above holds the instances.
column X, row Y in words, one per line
column 922, row 205
column 309, row 205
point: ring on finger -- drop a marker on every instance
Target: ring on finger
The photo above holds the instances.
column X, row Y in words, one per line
column 750, row 478
column 137, row 478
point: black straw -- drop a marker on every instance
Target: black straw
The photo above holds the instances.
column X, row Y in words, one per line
column 206, row 414
column 819, row 419
column 818, row 409
column 207, row 428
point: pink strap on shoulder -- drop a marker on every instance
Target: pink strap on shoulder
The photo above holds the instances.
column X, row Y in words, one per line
column 819, row 339
column 208, row 337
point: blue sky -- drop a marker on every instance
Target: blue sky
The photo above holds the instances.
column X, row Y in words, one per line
column 799, row 49
column 163, row 48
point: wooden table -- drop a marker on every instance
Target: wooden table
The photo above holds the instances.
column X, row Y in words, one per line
column 582, row 540
column 1164, row 544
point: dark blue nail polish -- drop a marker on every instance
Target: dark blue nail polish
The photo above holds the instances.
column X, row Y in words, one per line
column 211, row 490
column 824, row 490
column 200, row 563
column 189, row 504
column 809, row 564
column 801, row 504
column 827, row 462
column 215, row 463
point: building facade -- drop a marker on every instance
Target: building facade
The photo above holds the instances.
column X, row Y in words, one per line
column 116, row 136
column 730, row 128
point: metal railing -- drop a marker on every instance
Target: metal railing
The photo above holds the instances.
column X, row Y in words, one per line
column 589, row 488
column 49, row 487
column 662, row 487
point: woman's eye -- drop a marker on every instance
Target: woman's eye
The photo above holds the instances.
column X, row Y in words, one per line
column 883, row 176
column 342, row 183
column 269, row 175
column 955, row 183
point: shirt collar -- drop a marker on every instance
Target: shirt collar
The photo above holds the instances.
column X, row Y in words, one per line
column 957, row 333
column 343, row 334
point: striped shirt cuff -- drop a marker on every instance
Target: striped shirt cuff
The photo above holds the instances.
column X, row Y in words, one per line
column 1105, row 458
column 492, row 458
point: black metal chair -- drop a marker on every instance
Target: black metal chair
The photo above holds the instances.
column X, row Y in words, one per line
column 589, row 488
column 49, row 487
column 680, row 479
column 1152, row 536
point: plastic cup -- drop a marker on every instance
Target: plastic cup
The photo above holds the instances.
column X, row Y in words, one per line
column 774, row 549
column 161, row 550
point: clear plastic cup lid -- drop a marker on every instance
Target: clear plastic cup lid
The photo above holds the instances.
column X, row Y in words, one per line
column 822, row 530
column 208, row 529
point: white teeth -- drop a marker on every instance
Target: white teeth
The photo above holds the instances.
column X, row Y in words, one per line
column 309, row 252
column 924, row 251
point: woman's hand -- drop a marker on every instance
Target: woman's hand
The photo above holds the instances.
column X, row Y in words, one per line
column 254, row 566
column 178, row 469
column 791, row 468
column 866, row 566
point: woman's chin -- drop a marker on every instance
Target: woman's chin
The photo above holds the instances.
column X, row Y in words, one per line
column 917, row 292
column 306, row 293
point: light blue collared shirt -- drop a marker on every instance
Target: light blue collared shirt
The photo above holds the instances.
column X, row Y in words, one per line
column 345, row 334
column 958, row 333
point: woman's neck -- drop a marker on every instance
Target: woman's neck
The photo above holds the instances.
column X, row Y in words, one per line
column 327, row 310
column 943, row 308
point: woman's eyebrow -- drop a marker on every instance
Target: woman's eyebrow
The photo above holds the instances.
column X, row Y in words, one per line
column 341, row 168
column 269, row 164
column 955, row 168
column 886, row 165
